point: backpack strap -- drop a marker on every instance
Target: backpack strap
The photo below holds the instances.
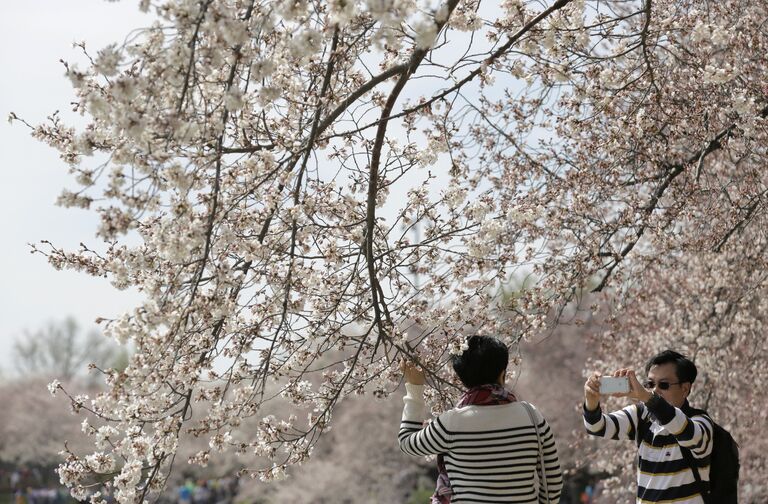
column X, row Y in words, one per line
column 644, row 425
column 688, row 456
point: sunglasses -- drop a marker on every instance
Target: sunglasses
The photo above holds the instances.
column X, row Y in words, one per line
column 662, row 384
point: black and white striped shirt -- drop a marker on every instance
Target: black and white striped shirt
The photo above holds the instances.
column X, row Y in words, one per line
column 491, row 453
column 663, row 475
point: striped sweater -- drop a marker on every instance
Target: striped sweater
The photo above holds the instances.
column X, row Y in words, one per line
column 663, row 475
column 491, row 452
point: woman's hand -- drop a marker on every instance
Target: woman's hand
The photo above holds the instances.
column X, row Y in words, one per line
column 412, row 374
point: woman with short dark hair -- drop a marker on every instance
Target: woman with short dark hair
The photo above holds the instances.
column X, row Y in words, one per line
column 490, row 447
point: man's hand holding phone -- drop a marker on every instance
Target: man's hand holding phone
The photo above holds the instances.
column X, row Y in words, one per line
column 592, row 391
column 623, row 383
column 636, row 390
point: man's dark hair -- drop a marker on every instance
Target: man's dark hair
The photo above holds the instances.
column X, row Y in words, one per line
column 482, row 362
column 684, row 368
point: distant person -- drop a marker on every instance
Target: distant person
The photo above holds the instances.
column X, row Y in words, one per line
column 489, row 446
column 202, row 494
column 185, row 492
column 15, row 480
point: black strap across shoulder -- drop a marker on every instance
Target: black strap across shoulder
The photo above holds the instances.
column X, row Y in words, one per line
column 688, row 456
column 644, row 425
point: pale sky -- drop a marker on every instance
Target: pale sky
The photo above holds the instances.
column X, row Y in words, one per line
column 34, row 35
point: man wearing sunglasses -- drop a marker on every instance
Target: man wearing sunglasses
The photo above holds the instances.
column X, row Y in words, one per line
column 660, row 422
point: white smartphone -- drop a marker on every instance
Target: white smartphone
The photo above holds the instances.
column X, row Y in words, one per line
column 614, row 384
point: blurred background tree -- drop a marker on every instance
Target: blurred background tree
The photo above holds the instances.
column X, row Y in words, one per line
column 62, row 350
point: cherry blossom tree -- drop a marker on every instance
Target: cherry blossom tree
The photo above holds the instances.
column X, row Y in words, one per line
column 286, row 179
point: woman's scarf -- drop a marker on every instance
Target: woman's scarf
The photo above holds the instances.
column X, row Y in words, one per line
column 484, row 395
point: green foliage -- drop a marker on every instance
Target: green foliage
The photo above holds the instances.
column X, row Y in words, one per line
column 420, row 496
